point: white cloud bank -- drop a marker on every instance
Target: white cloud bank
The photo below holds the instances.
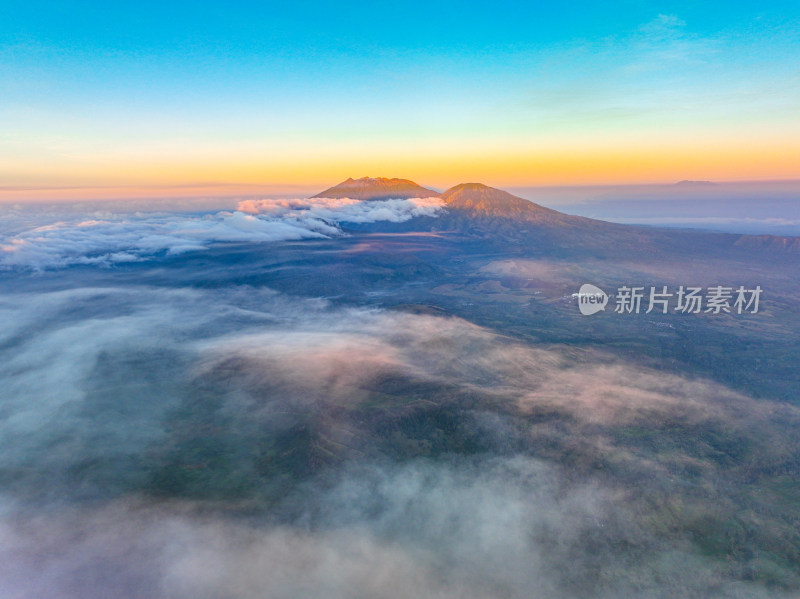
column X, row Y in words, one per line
column 111, row 239
column 102, row 388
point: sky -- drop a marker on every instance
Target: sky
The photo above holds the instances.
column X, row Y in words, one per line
column 198, row 98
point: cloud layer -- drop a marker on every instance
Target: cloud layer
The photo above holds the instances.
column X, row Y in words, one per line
column 57, row 241
column 501, row 528
column 241, row 443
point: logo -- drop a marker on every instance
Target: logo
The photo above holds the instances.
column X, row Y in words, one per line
column 687, row 300
column 591, row 299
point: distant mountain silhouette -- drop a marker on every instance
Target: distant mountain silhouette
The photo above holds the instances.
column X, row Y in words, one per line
column 688, row 183
column 774, row 242
column 377, row 188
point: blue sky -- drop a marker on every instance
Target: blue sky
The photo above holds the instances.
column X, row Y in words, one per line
column 247, row 92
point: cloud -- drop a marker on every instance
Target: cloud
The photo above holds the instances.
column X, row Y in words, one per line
column 499, row 528
column 132, row 237
column 345, row 209
column 267, row 362
column 242, row 443
column 663, row 27
column 744, row 224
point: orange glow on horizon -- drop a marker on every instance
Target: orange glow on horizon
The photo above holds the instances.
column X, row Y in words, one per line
column 299, row 172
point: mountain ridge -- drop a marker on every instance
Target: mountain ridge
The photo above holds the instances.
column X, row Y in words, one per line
column 483, row 212
column 377, row 188
column 484, row 202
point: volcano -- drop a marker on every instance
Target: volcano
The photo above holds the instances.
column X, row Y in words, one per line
column 479, row 201
column 377, row 188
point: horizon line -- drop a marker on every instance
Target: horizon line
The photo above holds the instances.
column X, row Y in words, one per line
column 237, row 190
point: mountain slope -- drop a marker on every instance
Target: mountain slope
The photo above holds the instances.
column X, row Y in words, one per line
column 483, row 202
column 377, row 188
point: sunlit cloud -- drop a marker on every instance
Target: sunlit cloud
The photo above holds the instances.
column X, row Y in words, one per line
column 135, row 236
